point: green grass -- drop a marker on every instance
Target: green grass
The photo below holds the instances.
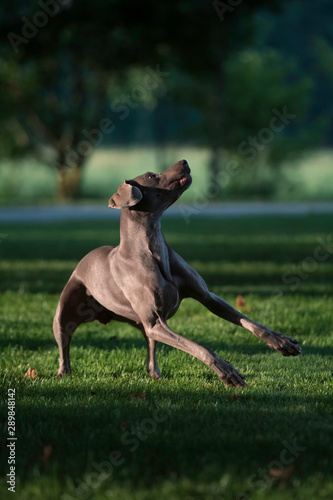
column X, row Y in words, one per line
column 187, row 439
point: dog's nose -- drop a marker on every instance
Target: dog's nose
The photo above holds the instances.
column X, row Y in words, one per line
column 185, row 166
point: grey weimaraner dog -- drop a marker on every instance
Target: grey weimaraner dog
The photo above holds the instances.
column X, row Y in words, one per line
column 143, row 281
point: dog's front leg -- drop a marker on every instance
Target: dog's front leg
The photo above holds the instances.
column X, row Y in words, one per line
column 193, row 285
column 160, row 332
column 287, row 346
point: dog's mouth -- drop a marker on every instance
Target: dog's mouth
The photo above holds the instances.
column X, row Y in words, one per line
column 183, row 183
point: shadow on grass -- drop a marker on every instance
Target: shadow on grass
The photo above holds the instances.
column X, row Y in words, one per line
column 280, row 239
column 52, row 277
column 198, row 434
column 39, row 258
column 108, row 341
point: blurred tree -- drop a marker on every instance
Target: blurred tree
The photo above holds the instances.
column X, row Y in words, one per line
column 324, row 50
column 307, row 35
column 60, row 60
column 266, row 120
column 258, row 85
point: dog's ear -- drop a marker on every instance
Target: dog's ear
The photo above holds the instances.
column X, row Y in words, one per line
column 126, row 196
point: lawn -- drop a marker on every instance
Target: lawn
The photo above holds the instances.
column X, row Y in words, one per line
column 110, row 432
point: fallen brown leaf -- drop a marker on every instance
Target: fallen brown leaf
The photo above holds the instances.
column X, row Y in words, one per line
column 31, row 373
column 139, row 396
column 284, row 473
column 240, row 302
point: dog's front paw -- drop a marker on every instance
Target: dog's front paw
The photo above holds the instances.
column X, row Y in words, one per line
column 287, row 346
column 229, row 375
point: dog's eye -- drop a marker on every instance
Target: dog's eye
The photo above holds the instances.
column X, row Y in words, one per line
column 151, row 176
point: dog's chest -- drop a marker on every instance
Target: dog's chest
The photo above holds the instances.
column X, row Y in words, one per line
column 167, row 299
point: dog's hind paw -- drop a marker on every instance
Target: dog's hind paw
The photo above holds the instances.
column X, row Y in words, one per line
column 63, row 372
column 155, row 373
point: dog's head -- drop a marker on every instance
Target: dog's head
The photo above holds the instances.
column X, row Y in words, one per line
column 153, row 192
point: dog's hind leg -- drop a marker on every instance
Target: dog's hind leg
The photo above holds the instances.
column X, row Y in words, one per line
column 151, row 363
column 63, row 329
column 152, row 368
column 76, row 306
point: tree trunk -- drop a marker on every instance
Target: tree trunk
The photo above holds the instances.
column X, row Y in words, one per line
column 215, row 149
column 216, row 132
column 214, row 165
column 69, row 181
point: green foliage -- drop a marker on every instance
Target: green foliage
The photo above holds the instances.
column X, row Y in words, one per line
column 256, row 83
column 305, row 35
column 14, row 139
column 325, row 55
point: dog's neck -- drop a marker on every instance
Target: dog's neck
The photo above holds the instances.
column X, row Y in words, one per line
column 140, row 232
